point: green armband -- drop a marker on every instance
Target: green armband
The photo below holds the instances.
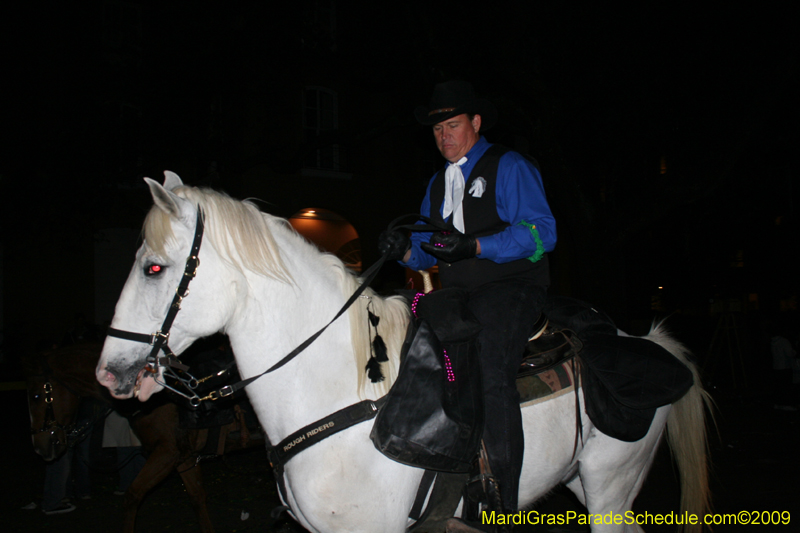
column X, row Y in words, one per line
column 539, row 245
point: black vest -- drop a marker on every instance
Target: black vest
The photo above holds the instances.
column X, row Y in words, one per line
column 481, row 219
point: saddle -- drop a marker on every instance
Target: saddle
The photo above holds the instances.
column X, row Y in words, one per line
column 433, row 415
column 547, row 347
column 624, row 379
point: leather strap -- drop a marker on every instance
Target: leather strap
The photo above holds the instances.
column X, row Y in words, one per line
column 422, row 493
column 317, row 431
column 323, row 428
column 159, row 339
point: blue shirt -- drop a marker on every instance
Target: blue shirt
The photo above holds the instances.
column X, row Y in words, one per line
column 521, row 202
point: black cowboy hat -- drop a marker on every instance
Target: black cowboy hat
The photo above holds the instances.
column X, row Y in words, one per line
column 453, row 98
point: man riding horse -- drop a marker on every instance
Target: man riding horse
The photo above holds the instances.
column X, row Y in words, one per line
column 494, row 200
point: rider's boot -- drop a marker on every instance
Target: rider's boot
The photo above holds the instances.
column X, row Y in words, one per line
column 481, row 500
column 496, row 503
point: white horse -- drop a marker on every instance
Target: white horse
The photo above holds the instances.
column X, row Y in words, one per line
column 268, row 289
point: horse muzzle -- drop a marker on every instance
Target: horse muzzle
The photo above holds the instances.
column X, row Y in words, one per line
column 51, row 444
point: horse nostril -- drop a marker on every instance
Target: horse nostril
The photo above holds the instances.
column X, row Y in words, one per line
column 106, row 376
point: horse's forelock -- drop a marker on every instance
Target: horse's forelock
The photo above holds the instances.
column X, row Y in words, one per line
column 157, row 230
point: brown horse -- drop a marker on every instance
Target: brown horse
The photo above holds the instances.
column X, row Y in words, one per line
column 57, row 381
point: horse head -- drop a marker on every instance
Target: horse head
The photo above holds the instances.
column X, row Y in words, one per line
column 171, row 253
column 52, row 405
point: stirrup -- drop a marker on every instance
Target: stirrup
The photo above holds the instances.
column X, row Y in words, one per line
column 481, row 491
column 552, row 347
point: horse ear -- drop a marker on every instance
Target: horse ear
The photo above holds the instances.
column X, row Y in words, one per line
column 171, row 180
column 169, row 202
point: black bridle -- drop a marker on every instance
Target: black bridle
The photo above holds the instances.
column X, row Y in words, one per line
column 50, row 424
column 160, row 339
column 72, row 432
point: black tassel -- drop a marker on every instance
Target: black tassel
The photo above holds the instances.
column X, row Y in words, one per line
column 374, row 319
column 374, row 370
column 379, row 349
column 379, row 354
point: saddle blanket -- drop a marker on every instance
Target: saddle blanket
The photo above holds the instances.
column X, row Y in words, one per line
column 547, row 385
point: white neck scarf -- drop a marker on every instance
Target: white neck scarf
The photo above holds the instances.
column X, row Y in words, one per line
column 454, row 193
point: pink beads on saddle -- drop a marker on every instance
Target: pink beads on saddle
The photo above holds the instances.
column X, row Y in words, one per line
column 448, row 366
column 415, row 302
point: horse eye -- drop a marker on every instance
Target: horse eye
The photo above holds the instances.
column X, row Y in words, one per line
column 153, row 270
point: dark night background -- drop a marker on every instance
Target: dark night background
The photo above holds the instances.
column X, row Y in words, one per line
column 666, row 138
column 107, row 92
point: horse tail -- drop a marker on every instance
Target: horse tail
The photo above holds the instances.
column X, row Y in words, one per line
column 686, row 434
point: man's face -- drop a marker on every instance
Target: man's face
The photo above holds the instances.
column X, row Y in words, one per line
column 455, row 136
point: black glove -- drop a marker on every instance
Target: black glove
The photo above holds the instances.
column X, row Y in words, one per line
column 395, row 242
column 451, row 246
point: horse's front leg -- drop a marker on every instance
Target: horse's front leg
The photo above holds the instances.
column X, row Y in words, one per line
column 192, row 478
column 160, row 463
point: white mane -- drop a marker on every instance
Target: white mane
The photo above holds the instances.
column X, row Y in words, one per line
column 238, row 230
column 244, row 237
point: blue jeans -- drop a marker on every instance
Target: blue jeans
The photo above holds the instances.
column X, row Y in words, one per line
column 56, row 477
column 81, row 477
column 69, row 475
column 129, row 461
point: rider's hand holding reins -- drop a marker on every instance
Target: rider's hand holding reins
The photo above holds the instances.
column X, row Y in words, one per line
column 394, row 243
column 451, row 246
